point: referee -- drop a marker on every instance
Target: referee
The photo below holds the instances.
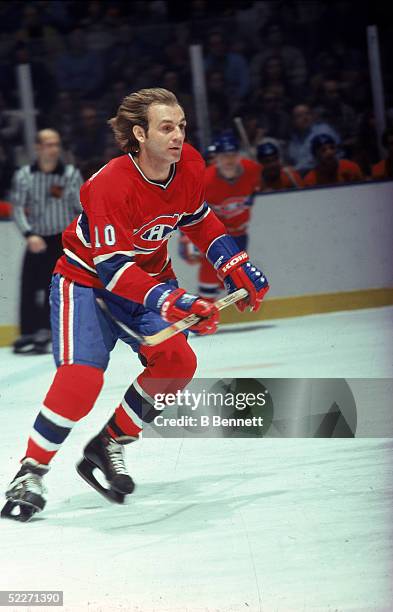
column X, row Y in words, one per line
column 45, row 197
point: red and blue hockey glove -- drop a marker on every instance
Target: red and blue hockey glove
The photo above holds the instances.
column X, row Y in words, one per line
column 175, row 304
column 236, row 272
column 188, row 251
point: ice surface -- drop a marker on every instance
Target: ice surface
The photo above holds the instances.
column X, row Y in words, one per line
column 217, row 524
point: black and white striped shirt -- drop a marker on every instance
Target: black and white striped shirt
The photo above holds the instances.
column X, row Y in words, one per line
column 45, row 202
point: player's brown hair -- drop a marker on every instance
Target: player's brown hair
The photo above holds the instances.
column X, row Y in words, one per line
column 133, row 111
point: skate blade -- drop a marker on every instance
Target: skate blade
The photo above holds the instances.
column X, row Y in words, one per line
column 85, row 469
column 18, row 511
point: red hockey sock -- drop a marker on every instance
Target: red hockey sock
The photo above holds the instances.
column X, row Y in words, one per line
column 71, row 396
column 121, row 424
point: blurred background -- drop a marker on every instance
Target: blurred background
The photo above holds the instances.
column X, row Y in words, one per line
column 261, row 60
column 266, row 71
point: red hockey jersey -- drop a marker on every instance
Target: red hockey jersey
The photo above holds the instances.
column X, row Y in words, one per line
column 120, row 240
column 230, row 199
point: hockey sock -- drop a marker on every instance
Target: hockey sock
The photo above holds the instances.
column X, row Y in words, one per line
column 71, row 396
column 121, row 425
column 139, row 404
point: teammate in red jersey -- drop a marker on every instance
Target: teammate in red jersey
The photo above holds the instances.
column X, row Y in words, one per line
column 230, row 184
column 115, row 253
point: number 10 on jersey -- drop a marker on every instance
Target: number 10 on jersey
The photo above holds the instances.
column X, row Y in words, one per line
column 109, row 236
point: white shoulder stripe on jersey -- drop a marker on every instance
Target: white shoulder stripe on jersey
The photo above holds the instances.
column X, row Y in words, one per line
column 80, row 235
column 198, row 210
column 197, row 220
column 101, row 258
column 80, row 261
column 115, row 279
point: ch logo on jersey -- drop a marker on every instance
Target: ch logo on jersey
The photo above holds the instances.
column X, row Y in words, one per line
column 158, row 229
column 230, row 207
column 157, row 232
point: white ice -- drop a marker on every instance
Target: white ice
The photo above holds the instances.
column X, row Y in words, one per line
column 215, row 525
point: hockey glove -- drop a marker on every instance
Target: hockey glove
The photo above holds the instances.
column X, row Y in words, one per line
column 236, row 272
column 188, row 251
column 175, row 304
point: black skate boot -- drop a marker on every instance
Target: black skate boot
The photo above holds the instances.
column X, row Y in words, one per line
column 107, row 454
column 25, row 494
column 24, row 345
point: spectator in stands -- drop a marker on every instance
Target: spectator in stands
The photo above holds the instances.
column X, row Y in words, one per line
column 274, row 175
column 217, row 96
column 64, row 117
column 328, row 169
column 233, row 65
column 176, row 57
column 333, row 111
column 273, row 77
column 91, row 138
column 44, row 83
column 99, row 35
column 10, row 129
column 273, row 44
column 45, row 196
column 384, row 168
column 40, row 37
column 116, row 91
column 366, row 152
column 78, row 69
column 273, row 119
column 305, row 127
column 127, row 44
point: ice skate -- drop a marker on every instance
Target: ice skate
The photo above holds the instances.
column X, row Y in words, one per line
column 24, row 345
column 25, row 494
column 107, row 454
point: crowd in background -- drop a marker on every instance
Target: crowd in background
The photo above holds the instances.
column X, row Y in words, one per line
column 291, row 70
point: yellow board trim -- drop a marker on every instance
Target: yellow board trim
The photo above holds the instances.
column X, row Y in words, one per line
column 281, row 308
column 8, row 333
column 302, row 305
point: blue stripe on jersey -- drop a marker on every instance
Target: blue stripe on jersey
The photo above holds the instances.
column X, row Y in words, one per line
column 84, row 225
column 108, row 268
column 77, row 265
column 191, row 218
column 50, row 431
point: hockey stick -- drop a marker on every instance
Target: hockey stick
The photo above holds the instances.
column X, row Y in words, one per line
column 175, row 328
column 238, row 121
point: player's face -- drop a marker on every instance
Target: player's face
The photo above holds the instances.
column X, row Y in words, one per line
column 228, row 164
column 165, row 137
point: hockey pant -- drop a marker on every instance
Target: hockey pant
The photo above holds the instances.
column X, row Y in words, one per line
column 83, row 336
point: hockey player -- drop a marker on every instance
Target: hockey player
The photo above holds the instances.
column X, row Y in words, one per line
column 230, row 184
column 115, row 253
column 275, row 176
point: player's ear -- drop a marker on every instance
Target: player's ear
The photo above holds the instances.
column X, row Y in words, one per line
column 139, row 133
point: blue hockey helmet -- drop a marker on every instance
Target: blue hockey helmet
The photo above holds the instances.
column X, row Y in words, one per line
column 266, row 149
column 319, row 141
column 227, row 143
